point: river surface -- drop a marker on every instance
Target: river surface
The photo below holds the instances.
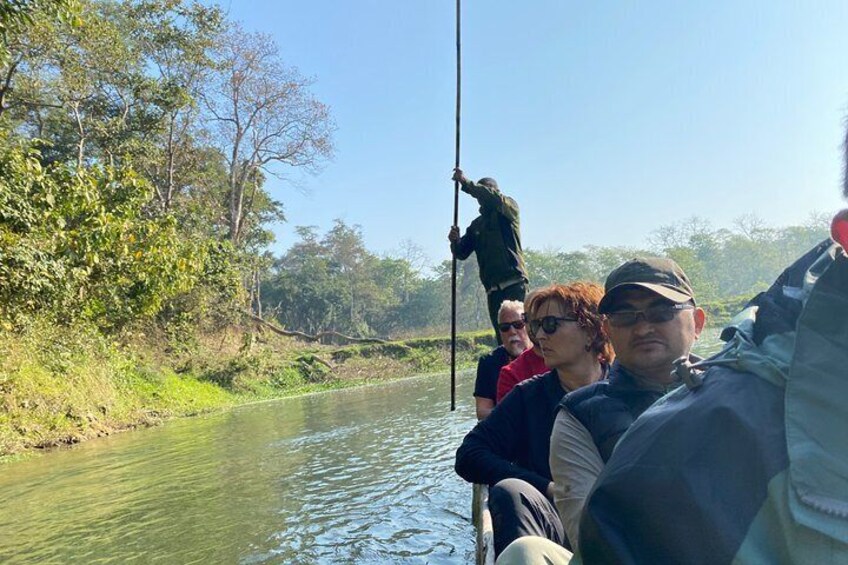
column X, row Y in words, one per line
column 354, row 476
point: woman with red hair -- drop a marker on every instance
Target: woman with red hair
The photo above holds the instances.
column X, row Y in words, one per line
column 509, row 450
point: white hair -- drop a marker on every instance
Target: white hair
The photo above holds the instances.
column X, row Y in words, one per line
column 515, row 305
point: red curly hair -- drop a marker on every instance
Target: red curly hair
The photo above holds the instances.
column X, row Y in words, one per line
column 580, row 299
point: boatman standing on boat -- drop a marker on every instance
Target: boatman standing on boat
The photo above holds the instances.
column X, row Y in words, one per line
column 494, row 236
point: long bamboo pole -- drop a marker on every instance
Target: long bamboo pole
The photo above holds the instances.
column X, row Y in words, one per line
column 455, row 205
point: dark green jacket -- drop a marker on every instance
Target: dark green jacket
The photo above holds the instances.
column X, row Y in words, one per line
column 494, row 236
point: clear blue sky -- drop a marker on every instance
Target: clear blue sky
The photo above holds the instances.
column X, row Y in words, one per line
column 603, row 119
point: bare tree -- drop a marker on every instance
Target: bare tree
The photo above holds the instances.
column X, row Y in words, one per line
column 265, row 117
column 413, row 254
column 754, row 228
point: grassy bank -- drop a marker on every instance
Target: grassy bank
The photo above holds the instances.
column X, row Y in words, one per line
column 61, row 386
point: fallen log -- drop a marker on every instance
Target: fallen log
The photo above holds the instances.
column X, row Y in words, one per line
column 308, row 337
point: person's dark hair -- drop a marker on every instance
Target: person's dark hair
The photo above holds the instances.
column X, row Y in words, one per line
column 488, row 181
column 580, row 299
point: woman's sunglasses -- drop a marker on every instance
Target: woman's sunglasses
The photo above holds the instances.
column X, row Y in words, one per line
column 548, row 323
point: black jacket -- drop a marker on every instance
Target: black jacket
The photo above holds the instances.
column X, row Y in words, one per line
column 488, row 368
column 514, row 441
column 608, row 408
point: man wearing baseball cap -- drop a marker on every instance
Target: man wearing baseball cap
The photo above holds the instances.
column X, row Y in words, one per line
column 652, row 320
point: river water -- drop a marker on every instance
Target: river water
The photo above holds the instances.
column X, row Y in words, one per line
column 355, row 476
column 360, row 475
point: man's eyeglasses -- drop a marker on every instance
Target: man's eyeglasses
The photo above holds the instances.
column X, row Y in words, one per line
column 653, row 315
column 548, row 323
column 518, row 324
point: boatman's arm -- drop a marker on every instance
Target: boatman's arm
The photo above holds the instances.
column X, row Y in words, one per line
column 463, row 246
column 575, row 466
column 487, row 196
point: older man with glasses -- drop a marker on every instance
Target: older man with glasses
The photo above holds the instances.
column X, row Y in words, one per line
column 514, row 339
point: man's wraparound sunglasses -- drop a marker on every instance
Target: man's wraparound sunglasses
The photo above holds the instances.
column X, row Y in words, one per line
column 654, row 315
column 518, row 324
column 548, row 323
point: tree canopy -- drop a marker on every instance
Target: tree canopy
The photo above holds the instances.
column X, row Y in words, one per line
column 138, row 136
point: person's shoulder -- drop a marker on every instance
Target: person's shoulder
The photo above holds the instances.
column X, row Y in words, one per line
column 726, row 388
column 508, row 371
column 533, row 361
column 583, row 394
column 728, row 398
column 509, row 208
column 536, row 382
column 496, row 355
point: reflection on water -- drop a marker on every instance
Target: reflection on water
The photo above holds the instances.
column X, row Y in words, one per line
column 356, row 476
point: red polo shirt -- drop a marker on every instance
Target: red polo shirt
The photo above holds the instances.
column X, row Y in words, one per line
column 524, row 366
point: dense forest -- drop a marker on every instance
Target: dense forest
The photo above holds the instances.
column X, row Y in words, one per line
column 137, row 137
column 332, row 280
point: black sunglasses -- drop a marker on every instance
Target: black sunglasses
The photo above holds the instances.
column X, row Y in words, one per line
column 653, row 315
column 548, row 323
column 518, row 324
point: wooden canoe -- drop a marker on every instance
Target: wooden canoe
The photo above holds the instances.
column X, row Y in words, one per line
column 482, row 520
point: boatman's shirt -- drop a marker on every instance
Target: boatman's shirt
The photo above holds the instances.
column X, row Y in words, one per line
column 494, row 236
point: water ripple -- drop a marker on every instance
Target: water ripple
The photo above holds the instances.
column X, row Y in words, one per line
column 357, row 476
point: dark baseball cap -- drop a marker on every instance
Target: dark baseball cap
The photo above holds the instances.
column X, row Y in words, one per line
column 659, row 275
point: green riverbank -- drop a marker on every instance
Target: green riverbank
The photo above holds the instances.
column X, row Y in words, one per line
column 60, row 386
